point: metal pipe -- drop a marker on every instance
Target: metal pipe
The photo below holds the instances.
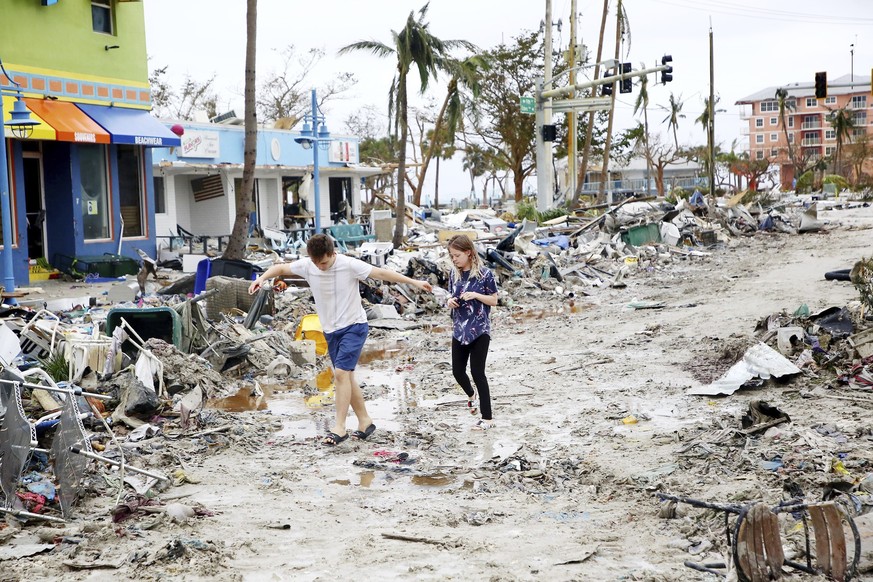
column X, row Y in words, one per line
column 8, row 274
column 73, row 391
column 28, row 514
column 127, row 467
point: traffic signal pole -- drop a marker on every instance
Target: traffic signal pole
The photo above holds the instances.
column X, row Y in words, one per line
column 543, row 118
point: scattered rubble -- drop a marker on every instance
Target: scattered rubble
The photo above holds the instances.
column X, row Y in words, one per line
column 114, row 402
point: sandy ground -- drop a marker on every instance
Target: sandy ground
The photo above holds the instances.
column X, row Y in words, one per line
column 560, row 489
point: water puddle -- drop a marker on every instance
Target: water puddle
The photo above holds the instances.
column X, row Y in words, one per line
column 435, row 480
column 364, row 479
column 296, row 398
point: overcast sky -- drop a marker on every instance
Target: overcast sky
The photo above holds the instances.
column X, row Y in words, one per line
column 758, row 44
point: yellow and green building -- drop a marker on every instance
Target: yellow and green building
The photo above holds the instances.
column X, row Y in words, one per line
column 81, row 182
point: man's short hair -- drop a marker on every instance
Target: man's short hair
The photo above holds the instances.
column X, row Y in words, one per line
column 319, row 246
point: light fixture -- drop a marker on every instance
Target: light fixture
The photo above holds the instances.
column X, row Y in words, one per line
column 20, row 122
column 109, row 47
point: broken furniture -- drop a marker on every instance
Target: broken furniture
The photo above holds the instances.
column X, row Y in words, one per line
column 235, row 268
column 347, row 235
column 756, row 545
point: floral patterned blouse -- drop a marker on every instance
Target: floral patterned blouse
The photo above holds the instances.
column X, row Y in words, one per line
column 471, row 318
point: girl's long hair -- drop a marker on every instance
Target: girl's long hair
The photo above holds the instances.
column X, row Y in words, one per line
column 461, row 242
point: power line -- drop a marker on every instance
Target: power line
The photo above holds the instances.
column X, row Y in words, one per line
column 721, row 7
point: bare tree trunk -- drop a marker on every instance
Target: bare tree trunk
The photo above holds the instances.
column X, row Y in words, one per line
column 243, row 198
column 425, row 162
column 436, row 186
column 604, row 170
column 589, row 128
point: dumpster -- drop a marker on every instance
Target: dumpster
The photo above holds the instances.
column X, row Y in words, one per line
column 148, row 322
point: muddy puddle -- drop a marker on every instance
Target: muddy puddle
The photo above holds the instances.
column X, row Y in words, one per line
column 375, row 479
column 296, row 399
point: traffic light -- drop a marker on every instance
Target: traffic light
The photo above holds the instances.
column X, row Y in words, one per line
column 627, row 85
column 550, row 132
column 667, row 74
column 606, row 90
column 821, row 85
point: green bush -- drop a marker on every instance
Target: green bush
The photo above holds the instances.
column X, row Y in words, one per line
column 840, row 182
column 804, row 183
column 527, row 209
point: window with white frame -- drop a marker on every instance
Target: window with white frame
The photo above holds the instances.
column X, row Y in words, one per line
column 830, row 100
column 774, row 152
column 759, row 138
column 811, row 102
column 101, row 16
column 774, row 120
column 95, row 193
column 774, row 137
column 759, row 122
column 830, row 134
column 859, row 132
column 759, row 155
column 859, row 118
column 829, row 150
column 770, row 105
column 790, row 122
column 859, row 101
column 790, row 138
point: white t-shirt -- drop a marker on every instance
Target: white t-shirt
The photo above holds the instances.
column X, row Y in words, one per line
column 337, row 299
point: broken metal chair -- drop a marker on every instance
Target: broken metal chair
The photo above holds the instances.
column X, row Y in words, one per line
column 756, row 545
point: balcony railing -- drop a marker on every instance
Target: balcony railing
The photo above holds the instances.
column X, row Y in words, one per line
column 811, row 125
column 811, row 141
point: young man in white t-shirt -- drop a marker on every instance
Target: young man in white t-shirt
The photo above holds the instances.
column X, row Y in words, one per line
column 333, row 280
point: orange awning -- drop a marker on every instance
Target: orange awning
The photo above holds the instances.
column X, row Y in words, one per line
column 70, row 123
column 41, row 131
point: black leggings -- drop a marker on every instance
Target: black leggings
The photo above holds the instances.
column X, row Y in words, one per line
column 477, row 353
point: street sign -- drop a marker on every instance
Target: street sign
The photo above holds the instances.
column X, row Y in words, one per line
column 528, row 104
column 588, row 104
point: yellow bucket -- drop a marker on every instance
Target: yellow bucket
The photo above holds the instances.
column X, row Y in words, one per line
column 310, row 328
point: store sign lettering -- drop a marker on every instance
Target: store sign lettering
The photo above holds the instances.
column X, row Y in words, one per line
column 148, row 141
column 82, row 136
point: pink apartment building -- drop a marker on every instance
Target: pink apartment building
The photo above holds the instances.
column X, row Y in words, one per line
column 807, row 121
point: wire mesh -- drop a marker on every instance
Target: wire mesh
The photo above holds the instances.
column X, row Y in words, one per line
column 16, row 435
column 68, row 466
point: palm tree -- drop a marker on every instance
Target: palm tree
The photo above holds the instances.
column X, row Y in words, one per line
column 589, row 127
column 466, row 73
column 705, row 119
column 843, row 124
column 674, row 114
column 414, row 46
column 622, row 31
column 786, row 105
column 243, row 197
column 476, row 161
column 642, row 102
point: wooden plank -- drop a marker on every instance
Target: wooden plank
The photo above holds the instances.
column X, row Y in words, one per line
column 834, row 521
column 757, row 558
column 773, row 544
column 744, row 545
column 822, row 539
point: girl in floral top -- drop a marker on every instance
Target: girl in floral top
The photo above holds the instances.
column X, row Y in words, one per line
column 473, row 293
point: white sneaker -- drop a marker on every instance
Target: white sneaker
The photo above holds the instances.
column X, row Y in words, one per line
column 473, row 406
column 483, row 424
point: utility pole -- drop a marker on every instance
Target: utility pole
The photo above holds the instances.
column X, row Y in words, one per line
column 543, row 118
column 572, row 158
column 711, row 128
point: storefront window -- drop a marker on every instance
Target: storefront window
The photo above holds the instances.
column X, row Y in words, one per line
column 95, row 197
column 160, row 203
column 130, row 190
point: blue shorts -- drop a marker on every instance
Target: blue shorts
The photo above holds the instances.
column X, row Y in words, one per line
column 345, row 345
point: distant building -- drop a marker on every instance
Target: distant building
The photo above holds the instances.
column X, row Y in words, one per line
column 195, row 183
column 807, row 121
